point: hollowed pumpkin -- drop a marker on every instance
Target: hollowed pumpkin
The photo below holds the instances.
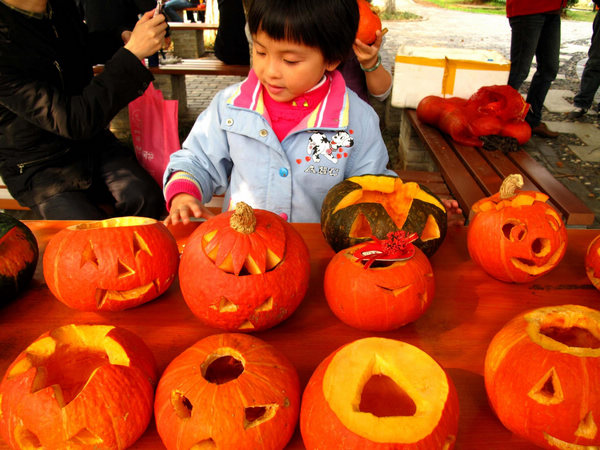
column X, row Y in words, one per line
column 592, row 262
column 228, row 391
column 361, row 207
column 382, row 297
column 18, row 257
column 541, row 376
column 378, row 393
column 515, row 236
column 244, row 270
column 111, row 265
column 78, row 386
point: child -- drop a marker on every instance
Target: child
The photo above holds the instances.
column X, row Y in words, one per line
column 283, row 137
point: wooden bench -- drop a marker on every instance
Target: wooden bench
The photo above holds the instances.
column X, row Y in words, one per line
column 472, row 173
column 171, row 77
column 186, row 44
column 7, row 201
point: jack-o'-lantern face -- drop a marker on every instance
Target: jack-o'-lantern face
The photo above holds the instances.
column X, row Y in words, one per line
column 93, row 386
column 592, row 262
column 553, row 401
column 361, row 207
column 228, row 391
column 378, row 297
column 516, row 239
column 244, row 271
column 111, row 265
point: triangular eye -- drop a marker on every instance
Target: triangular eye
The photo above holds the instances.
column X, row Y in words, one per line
column 225, row 305
column 255, row 415
column 181, row 404
column 587, row 427
column 88, row 255
column 139, row 245
column 360, row 227
column 85, row 437
column 548, row 390
column 123, row 270
column 267, row 305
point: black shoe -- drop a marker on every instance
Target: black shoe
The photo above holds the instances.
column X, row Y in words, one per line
column 576, row 114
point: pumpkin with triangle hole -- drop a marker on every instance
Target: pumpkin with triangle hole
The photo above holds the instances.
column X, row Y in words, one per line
column 541, row 376
column 379, row 393
column 361, row 207
column 244, row 270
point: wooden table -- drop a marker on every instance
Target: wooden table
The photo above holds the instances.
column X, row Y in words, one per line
column 468, row 309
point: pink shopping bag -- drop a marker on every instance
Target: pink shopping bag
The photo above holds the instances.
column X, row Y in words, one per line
column 154, row 130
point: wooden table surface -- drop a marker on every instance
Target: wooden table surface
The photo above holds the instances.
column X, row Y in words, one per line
column 469, row 307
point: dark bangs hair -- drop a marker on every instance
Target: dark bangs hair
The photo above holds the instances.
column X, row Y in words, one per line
column 329, row 25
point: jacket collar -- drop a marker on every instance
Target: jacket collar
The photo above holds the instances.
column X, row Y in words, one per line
column 332, row 112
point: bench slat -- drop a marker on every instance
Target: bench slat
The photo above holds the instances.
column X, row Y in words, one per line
column 465, row 167
column 578, row 212
column 462, row 185
column 193, row 26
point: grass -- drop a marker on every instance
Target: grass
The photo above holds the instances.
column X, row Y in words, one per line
column 582, row 11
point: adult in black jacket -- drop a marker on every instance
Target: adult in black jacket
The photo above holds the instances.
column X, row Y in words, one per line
column 57, row 155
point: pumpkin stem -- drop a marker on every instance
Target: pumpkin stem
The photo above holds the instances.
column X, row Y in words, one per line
column 510, row 184
column 243, row 219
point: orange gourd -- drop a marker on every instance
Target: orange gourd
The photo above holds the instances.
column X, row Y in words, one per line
column 228, row 391
column 592, row 262
column 79, row 386
column 379, row 393
column 541, row 376
column 515, row 236
column 368, row 24
column 244, row 270
column 381, row 296
column 111, row 265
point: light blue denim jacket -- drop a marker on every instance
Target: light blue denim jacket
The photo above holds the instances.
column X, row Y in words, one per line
column 233, row 150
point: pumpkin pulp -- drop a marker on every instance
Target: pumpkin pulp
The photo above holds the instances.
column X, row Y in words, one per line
column 363, row 376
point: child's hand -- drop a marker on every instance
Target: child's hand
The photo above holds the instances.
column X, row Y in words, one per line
column 454, row 212
column 367, row 54
column 184, row 206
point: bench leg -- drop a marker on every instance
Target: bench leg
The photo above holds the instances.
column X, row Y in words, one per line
column 200, row 50
column 173, row 88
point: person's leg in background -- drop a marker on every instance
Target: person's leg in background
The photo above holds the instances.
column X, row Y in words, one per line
column 527, row 39
column 547, row 57
column 590, row 78
column 135, row 192
column 72, row 205
column 172, row 8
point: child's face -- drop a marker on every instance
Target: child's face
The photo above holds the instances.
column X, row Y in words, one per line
column 287, row 69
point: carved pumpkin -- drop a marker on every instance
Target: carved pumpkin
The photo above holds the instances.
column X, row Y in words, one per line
column 111, row 265
column 515, row 236
column 18, row 257
column 541, row 376
column 368, row 24
column 228, row 391
column 592, row 262
column 361, row 207
column 378, row 297
column 78, row 386
column 377, row 393
column 244, row 270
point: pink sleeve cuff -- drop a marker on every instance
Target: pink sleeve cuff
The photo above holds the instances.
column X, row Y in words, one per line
column 181, row 183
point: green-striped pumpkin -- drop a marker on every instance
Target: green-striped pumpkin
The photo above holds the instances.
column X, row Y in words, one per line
column 360, row 207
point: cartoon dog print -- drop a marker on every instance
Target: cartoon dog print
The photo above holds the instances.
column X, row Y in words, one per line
column 319, row 145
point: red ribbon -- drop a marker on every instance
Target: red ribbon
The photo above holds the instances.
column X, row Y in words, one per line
column 398, row 245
